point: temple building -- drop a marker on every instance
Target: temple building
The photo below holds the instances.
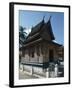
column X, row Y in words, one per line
column 39, row 51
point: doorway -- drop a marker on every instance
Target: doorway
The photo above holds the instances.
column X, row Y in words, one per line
column 51, row 55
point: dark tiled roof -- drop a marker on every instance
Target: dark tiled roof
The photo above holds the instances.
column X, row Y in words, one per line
column 50, row 29
column 32, row 38
column 42, row 26
column 33, row 42
column 37, row 28
column 39, row 40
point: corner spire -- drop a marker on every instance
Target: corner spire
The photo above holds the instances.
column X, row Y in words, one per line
column 50, row 18
column 43, row 17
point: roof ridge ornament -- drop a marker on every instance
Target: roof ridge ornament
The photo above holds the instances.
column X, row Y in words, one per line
column 50, row 18
column 43, row 17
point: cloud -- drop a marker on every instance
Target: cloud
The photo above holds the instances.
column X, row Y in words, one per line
column 28, row 31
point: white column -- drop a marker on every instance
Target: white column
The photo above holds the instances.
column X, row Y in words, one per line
column 31, row 70
column 47, row 73
column 56, row 70
column 21, row 67
column 52, row 74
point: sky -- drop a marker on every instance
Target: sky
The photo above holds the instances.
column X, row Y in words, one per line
column 29, row 19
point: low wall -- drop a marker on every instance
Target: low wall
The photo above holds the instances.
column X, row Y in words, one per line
column 39, row 71
column 32, row 70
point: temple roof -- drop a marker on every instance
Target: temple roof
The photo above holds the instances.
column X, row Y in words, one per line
column 36, row 28
column 37, row 31
column 39, row 40
column 50, row 29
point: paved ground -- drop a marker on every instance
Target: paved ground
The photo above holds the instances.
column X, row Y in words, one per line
column 24, row 75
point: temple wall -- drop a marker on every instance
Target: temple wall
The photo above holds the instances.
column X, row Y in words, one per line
column 55, row 54
column 25, row 58
column 35, row 59
column 41, row 59
column 44, row 54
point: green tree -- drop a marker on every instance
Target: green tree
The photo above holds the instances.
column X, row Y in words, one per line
column 22, row 35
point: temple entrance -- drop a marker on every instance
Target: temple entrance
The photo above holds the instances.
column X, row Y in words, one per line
column 51, row 55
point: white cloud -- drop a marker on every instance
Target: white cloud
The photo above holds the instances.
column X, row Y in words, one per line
column 28, row 31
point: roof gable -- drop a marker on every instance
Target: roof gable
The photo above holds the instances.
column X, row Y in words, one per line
column 41, row 30
column 49, row 28
column 37, row 28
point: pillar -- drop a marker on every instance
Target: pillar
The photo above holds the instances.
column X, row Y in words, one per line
column 31, row 70
column 21, row 67
column 56, row 70
column 47, row 73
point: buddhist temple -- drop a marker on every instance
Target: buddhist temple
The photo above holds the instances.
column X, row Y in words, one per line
column 40, row 51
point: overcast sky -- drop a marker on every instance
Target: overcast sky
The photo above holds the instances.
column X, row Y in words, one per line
column 29, row 19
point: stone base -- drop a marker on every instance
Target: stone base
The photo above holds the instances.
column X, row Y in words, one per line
column 39, row 71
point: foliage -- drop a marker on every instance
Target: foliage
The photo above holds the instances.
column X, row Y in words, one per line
column 22, row 35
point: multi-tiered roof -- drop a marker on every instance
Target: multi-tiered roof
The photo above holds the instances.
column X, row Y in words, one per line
column 42, row 31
